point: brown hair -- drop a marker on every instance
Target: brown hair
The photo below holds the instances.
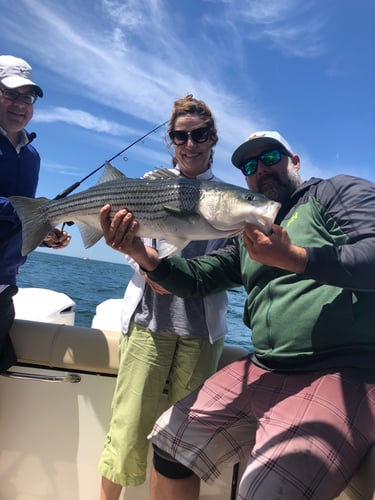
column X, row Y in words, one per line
column 188, row 105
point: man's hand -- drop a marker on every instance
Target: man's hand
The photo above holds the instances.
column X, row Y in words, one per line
column 57, row 239
column 274, row 250
column 120, row 234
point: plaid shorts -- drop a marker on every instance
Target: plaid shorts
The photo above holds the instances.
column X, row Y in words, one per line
column 297, row 435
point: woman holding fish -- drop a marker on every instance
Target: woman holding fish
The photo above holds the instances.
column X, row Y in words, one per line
column 164, row 337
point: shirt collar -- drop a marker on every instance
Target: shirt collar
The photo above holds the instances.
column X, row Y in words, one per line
column 22, row 140
column 207, row 175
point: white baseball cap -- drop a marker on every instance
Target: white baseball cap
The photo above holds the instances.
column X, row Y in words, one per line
column 15, row 72
column 260, row 140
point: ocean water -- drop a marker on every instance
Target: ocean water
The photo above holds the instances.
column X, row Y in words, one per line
column 90, row 282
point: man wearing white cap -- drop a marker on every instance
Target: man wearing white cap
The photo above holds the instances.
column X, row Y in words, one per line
column 299, row 412
column 19, row 172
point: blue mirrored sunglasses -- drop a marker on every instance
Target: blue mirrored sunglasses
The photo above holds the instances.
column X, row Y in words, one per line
column 268, row 158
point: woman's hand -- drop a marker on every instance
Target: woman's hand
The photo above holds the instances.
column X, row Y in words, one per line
column 120, row 234
column 155, row 287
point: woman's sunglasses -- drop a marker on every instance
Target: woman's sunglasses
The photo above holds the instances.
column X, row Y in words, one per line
column 268, row 158
column 198, row 135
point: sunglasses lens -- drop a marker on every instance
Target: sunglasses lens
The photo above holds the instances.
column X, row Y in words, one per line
column 249, row 167
column 28, row 98
column 10, row 95
column 178, row 137
column 270, row 158
column 200, row 134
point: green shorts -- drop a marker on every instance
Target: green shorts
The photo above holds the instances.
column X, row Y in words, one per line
column 147, row 361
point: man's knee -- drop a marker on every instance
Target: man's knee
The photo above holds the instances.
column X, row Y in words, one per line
column 167, row 466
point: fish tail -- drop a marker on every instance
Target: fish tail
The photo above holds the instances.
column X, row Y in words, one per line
column 35, row 227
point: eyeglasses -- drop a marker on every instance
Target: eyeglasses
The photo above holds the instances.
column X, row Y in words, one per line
column 198, row 135
column 268, row 158
column 13, row 95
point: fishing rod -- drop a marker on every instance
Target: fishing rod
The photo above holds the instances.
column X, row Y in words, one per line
column 74, row 186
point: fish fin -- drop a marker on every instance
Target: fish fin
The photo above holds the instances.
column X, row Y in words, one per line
column 34, row 228
column 171, row 247
column 110, row 174
column 178, row 212
column 90, row 235
column 162, row 173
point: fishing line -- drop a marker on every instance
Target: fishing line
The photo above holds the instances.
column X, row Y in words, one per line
column 74, row 186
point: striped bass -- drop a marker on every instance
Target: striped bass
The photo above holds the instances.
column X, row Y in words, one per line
column 167, row 207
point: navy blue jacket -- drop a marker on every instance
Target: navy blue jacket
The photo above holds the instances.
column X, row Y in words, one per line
column 19, row 173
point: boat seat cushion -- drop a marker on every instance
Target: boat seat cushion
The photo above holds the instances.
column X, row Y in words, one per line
column 66, row 347
column 78, row 348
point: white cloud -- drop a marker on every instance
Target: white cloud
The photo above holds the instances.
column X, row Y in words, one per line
column 288, row 25
column 267, row 11
column 81, row 119
column 62, row 169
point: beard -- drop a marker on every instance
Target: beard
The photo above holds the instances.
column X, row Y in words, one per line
column 277, row 189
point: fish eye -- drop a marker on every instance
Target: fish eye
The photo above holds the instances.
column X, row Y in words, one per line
column 249, row 197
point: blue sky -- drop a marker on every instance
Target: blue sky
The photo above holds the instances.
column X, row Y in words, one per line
column 111, row 69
